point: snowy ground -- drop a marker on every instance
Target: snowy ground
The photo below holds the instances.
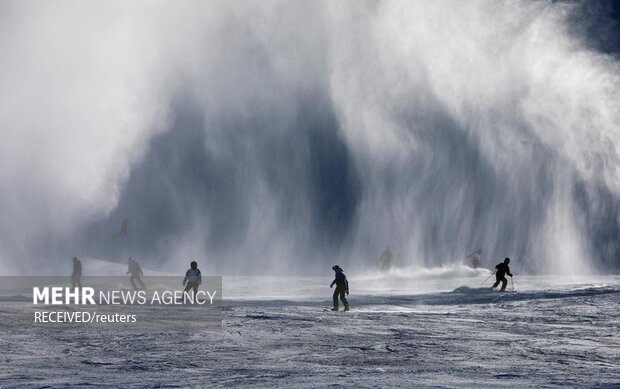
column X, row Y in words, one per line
column 278, row 333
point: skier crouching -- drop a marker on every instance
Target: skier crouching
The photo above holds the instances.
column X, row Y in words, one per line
column 342, row 287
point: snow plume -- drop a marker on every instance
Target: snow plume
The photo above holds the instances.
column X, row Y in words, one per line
column 79, row 97
column 284, row 136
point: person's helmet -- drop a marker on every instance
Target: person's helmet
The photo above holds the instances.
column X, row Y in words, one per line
column 507, row 260
column 194, row 265
column 75, row 259
column 335, row 267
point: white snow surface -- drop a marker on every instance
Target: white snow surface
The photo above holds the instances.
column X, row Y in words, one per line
column 441, row 328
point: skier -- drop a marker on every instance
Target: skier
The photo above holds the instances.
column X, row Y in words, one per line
column 136, row 273
column 76, row 276
column 193, row 278
column 125, row 228
column 474, row 258
column 386, row 259
column 500, row 274
column 342, row 287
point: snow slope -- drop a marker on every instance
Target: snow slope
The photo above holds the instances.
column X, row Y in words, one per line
column 553, row 333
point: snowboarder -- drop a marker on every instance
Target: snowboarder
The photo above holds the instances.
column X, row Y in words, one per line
column 500, row 274
column 193, row 278
column 342, row 287
column 76, row 276
column 136, row 273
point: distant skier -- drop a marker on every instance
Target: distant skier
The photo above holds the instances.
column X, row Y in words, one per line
column 125, row 228
column 136, row 274
column 500, row 274
column 342, row 287
column 474, row 259
column 386, row 259
column 76, row 276
column 193, row 278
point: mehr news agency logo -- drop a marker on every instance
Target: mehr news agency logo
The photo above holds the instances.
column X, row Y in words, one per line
column 57, row 295
column 88, row 296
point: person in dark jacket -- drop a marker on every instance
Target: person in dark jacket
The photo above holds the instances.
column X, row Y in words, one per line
column 136, row 273
column 500, row 274
column 342, row 287
column 193, row 278
column 76, row 276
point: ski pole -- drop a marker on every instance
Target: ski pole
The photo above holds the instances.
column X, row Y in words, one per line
column 483, row 282
column 512, row 283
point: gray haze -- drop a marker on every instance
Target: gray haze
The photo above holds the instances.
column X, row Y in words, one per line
column 281, row 136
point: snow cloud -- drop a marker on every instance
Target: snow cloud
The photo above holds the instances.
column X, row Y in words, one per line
column 277, row 135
